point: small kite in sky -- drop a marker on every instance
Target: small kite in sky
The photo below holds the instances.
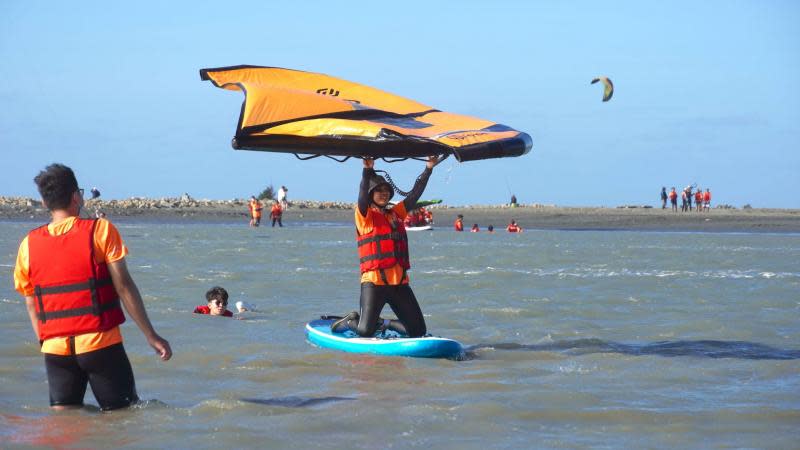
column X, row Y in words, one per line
column 608, row 89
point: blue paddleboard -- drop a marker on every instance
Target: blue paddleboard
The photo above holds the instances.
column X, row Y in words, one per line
column 388, row 343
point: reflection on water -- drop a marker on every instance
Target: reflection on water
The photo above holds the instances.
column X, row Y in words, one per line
column 704, row 349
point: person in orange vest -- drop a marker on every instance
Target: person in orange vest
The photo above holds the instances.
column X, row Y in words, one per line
column 458, row 225
column 673, row 199
column 217, row 299
column 707, row 200
column 513, row 227
column 73, row 275
column 276, row 214
column 475, row 228
column 255, row 211
column 698, row 200
column 383, row 257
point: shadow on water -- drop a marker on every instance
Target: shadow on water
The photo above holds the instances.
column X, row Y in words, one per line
column 295, row 402
column 703, row 349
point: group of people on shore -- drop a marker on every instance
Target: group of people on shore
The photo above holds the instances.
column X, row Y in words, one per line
column 255, row 207
column 702, row 200
column 458, row 225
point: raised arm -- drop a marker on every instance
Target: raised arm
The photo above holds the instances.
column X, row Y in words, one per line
column 419, row 186
column 363, row 191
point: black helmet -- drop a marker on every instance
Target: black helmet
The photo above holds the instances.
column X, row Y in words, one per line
column 376, row 181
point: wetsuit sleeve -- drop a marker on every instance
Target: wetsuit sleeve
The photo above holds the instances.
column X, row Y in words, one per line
column 363, row 191
column 418, row 189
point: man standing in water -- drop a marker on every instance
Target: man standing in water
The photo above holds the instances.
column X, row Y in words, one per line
column 384, row 259
column 72, row 273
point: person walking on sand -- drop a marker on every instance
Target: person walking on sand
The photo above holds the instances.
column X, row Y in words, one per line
column 276, row 213
column 73, row 275
column 384, row 259
column 698, row 200
column 673, row 199
column 684, row 200
column 282, row 192
column 255, row 208
column 513, row 203
column 663, row 197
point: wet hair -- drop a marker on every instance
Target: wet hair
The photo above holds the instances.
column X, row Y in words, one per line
column 56, row 184
column 217, row 293
column 460, row 216
column 490, row 228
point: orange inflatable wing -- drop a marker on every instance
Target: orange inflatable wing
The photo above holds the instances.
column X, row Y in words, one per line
column 312, row 114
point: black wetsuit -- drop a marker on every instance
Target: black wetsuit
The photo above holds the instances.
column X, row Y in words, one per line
column 399, row 297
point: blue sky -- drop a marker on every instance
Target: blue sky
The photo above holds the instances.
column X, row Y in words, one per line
column 706, row 92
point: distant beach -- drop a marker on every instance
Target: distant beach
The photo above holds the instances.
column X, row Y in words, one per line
column 528, row 216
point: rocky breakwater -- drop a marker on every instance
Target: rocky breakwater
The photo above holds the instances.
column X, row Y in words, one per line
column 184, row 206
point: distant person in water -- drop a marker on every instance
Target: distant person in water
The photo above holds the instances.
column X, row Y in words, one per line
column 255, row 207
column 663, row 198
column 95, row 193
column 458, row 225
column 475, row 228
column 513, row 227
column 217, row 298
column 384, row 259
column 276, row 214
column 490, row 229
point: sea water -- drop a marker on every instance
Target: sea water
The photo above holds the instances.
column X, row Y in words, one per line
column 574, row 339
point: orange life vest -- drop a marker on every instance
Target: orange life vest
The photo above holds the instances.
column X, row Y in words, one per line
column 707, row 196
column 73, row 293
column 255, row 208
column 277, row 211
column 204, row 309
column 512, row 228
column 673, row 195
column 698, row 197
column 385, row 246
column 458, row 225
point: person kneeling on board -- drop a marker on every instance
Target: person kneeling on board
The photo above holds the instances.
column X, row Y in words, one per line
column 217, row 298
column 384, row 260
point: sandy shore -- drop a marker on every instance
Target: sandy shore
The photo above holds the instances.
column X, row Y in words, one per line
column 530, row 216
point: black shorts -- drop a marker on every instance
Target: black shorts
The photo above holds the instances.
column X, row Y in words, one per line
column 107, row 371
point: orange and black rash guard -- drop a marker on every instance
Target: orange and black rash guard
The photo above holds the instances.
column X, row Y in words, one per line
column 396, row 274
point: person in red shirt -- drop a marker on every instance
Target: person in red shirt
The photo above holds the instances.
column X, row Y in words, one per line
column 707, row 200
column 276, row 214
column 217, row 298
column 673, row 199
column 475, row 228
column 513, row 227
column 698, row 200
column 458, row 225
column 73, row 275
